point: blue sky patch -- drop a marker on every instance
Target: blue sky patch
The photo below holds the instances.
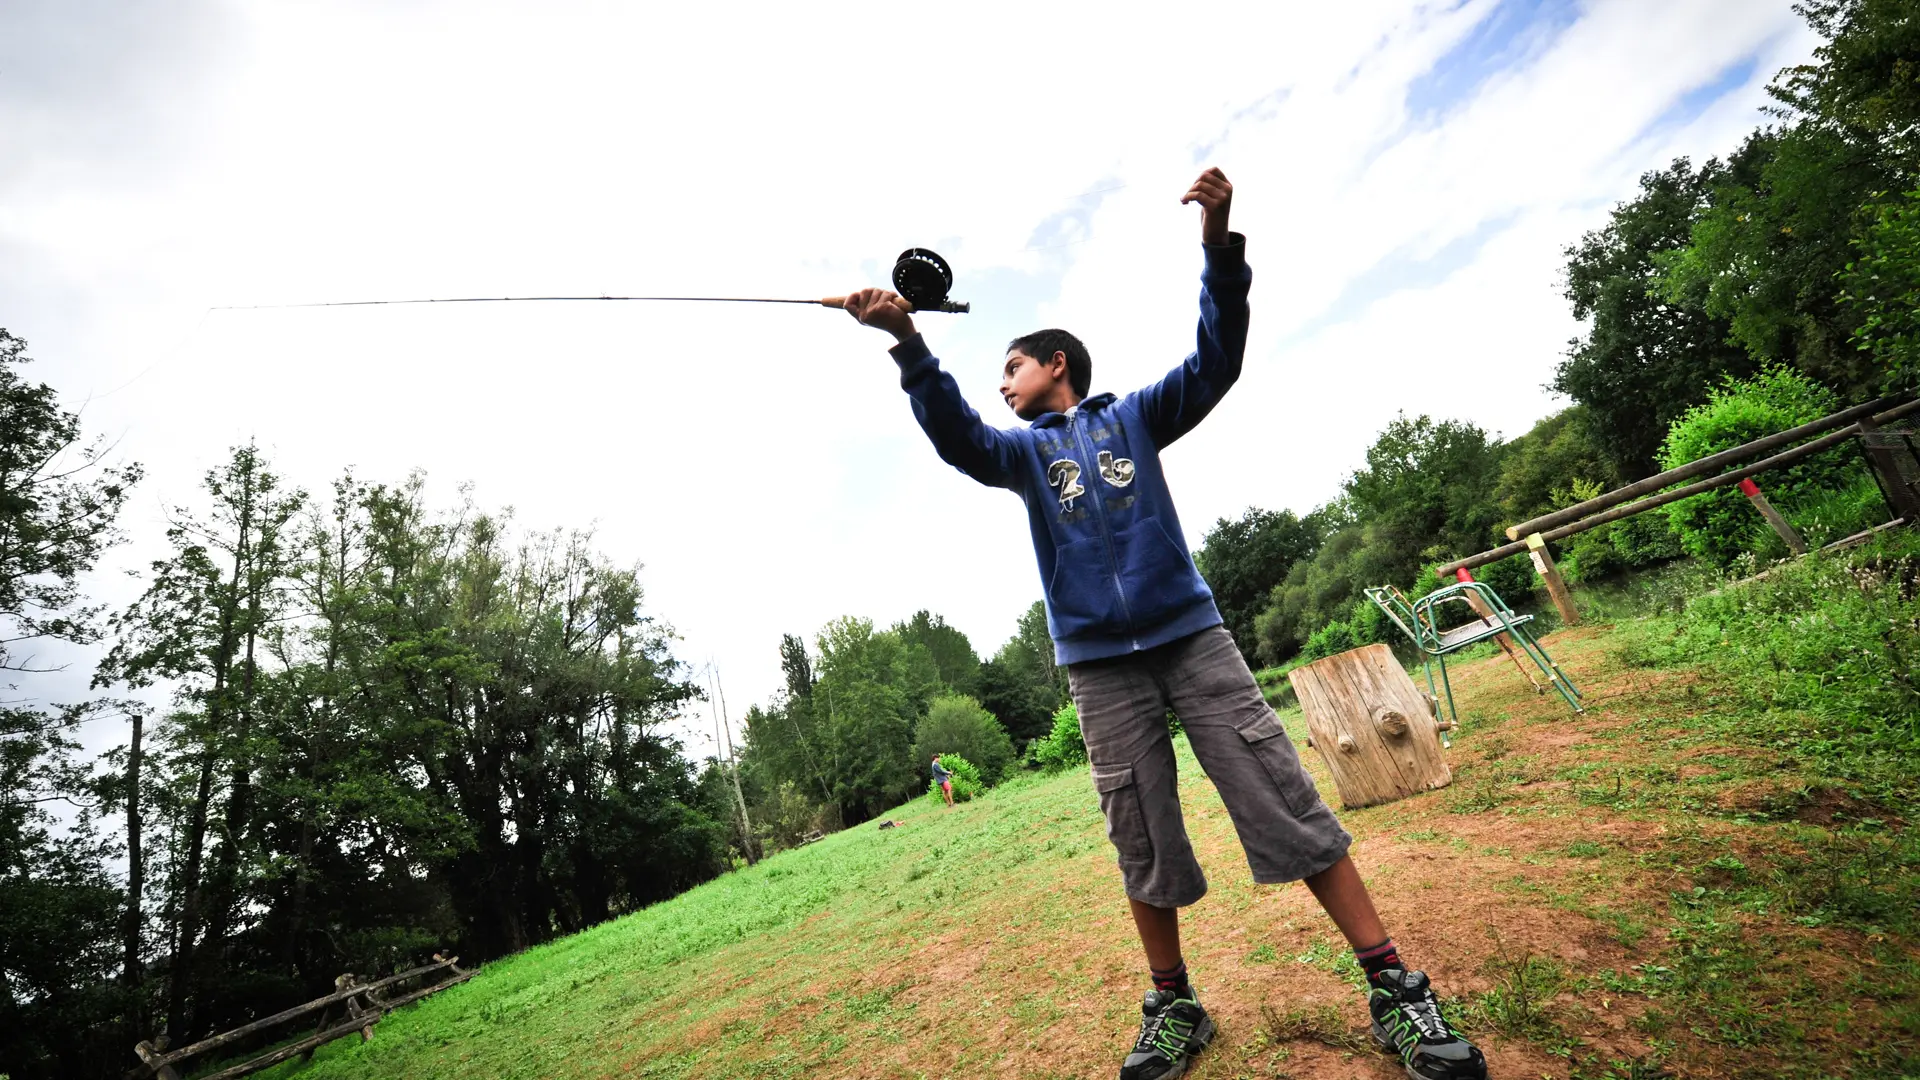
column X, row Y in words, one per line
column 1399, row 272
column 1515, row 31
column 1698, row 100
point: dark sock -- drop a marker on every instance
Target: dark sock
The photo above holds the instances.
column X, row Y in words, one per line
column 1379, row 958
column 1175, row 980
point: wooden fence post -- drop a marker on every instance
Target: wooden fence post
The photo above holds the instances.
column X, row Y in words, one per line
column 1774, row 517
column 1550, row 573
column 359, row 1009
column 1505, row 641
column 156, row 1065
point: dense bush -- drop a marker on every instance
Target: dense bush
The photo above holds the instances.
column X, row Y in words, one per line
column 1063, row 748
column 1721, row 525
column 966, row 780
column 1512, row 577
column 785, row 816
column 1631, row 544
column 1335, row 637
column 956, row 724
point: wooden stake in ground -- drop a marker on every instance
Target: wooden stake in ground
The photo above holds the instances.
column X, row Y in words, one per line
column 1774, row 517
column 1372, row 725
column 1556, row 585
column 1505, row 641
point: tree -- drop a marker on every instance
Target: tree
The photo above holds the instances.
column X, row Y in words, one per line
column 1539, row 470
column 1882, row 287
column 1023, row 705
column 1764, row 253
column 199, row 625
column 1021, row 685
column 875, row 687
column 953, row 655
column 1424, row 494
column 796, row 668
column 59, row 909
column 1243, row 560
column 1862, row 87
column 956, row 724
column 1645, row 357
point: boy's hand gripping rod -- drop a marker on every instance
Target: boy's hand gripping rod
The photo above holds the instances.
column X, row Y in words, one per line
column 919, row 276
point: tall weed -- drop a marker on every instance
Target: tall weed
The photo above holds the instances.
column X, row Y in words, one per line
column 1827, row 650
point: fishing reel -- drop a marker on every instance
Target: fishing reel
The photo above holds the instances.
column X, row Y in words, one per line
column 923, row 278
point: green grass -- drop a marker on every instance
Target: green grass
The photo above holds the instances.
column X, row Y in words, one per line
column 546, row 1012
column 1692, row 878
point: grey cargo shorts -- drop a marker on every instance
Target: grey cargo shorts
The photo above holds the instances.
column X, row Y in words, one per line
column 1287, row 830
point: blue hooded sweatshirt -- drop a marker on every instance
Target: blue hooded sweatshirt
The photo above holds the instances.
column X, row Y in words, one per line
column 1115, row 565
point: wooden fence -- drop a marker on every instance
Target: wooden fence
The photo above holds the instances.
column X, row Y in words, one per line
column 1890, row 455
column 352, row 1007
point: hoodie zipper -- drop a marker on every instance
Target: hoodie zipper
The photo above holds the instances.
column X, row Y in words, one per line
column 1106, row 531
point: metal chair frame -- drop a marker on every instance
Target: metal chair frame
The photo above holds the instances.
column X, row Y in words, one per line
column 1416, row 620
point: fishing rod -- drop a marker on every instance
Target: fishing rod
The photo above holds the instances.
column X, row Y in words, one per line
column 921, row 277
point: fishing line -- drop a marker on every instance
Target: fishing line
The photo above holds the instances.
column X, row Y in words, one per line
column 921, row 277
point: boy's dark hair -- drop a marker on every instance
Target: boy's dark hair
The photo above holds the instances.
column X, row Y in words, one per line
column 1042, row 344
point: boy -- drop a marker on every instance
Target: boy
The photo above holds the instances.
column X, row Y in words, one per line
column 1139, row 634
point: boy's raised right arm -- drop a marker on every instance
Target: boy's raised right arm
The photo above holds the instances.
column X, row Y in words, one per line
column 961, row 438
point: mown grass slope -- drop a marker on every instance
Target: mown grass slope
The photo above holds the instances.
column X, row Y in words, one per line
column 1639, row 891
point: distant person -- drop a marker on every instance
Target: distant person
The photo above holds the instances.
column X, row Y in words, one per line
column 1139, row 634
column 945, row 779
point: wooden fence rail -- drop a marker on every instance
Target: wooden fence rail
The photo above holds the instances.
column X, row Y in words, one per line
column 1861, row 425
column 1699, row 467
column 362, row 1004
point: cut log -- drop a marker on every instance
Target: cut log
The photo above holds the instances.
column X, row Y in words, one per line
column 1372, row 726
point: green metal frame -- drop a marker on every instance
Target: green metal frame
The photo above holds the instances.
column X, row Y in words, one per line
column 1416, row 620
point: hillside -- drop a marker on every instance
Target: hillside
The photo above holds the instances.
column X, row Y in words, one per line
column 1634, row 892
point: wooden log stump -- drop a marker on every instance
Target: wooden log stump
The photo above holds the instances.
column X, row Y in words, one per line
column 1372, row 726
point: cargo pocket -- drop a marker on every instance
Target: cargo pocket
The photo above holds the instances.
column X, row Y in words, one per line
column 1126, row 818
column 1267, row 738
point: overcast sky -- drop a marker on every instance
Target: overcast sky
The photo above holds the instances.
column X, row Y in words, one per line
column 1407, row 175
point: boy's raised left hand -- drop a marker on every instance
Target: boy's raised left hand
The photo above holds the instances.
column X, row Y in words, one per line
column 1215, row 195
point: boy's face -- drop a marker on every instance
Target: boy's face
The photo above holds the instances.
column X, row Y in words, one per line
column 1027, row 384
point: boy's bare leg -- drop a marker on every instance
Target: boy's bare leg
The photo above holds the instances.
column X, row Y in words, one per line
column 1159, row 934
column 1344, row 896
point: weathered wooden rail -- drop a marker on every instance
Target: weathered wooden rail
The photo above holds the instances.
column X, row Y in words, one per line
column 360, row 1004
column 1895, row 474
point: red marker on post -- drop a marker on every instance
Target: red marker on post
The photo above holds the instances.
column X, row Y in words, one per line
column 1774, row 518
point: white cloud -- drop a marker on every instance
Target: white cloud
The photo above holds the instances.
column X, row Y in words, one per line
column 761, row 461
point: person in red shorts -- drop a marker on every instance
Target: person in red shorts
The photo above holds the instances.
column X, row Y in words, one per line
column 944, row 779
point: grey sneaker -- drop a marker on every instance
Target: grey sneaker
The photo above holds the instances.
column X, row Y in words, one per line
column 1173, row 1031
column 1407, row 1023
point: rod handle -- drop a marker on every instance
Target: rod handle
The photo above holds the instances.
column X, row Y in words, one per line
column 952, row 306
column 841, row 303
